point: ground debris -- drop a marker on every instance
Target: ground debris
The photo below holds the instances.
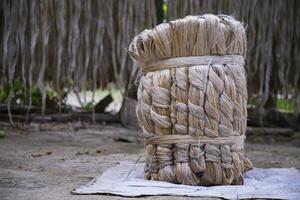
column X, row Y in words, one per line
column 99, row 151
column 82, row 153
column 41, row 154
column 129, row 139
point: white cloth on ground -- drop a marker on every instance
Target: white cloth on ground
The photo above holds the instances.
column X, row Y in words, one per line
column 281, row 183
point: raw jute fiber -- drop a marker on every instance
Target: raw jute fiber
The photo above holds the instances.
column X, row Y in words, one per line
column 192, row 100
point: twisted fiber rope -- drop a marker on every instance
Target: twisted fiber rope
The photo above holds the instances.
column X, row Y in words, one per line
column 192, row 60
column 161, row 116
column 146, row 122
column 192, row 105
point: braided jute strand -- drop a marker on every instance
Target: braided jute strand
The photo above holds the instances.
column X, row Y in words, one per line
column 192, row 100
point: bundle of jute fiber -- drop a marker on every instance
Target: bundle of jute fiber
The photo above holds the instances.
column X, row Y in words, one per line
column 192, row 100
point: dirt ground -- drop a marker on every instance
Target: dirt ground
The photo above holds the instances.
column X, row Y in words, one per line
column 47, row 161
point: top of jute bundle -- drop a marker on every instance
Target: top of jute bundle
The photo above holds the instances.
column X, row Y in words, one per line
column 193, row 40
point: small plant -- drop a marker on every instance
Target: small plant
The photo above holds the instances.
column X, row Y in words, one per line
column 89, row 106
column 2, row 134
column 17, row 92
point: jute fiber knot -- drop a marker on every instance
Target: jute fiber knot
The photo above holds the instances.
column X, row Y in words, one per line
column 192, row 100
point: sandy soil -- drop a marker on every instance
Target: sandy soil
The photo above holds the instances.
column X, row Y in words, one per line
column 47, row 161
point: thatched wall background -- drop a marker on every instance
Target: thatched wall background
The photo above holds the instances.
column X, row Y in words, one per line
column 76, row 44
column 82, row 44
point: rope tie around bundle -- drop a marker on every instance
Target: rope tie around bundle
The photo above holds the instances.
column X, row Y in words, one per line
column 192, row 100
column 192, row 61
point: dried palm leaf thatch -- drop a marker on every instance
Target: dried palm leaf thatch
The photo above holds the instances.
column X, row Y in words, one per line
column 192, row 100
